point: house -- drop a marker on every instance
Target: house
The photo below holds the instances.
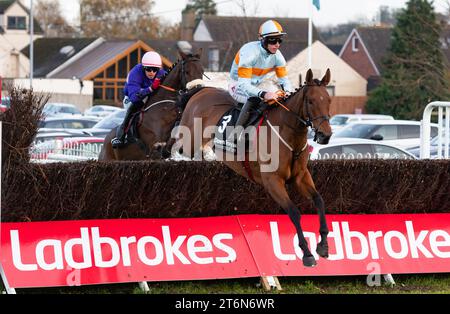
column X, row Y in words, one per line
column 105, row 62
column 347, row 87
column 14, row 35
column 223, row 36
column 366, row 47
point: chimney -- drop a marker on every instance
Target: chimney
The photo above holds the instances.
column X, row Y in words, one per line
column 187, row 25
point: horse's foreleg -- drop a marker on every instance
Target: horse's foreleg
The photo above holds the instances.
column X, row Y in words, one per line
column 305, row 186
column 277, row 189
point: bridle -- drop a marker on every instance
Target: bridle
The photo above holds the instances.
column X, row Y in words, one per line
column 308, row 122
column 183, row 62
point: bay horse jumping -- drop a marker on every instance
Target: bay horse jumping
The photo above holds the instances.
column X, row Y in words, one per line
column 160, row 114
column 307, row 107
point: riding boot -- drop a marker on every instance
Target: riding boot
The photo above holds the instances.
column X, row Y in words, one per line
column 251, row 104
column 119, row 140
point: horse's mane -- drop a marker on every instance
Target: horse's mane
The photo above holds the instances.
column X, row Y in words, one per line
column 170, row 70
column 298, row 89
column 172, row 67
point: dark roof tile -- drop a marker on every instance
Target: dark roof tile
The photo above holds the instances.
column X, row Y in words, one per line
column 47, row 55
column 244, row 29
column 377, row 41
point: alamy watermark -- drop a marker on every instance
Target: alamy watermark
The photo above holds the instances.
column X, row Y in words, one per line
column 263, row 145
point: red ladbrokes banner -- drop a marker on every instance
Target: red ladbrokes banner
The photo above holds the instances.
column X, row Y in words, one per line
column 131, row 250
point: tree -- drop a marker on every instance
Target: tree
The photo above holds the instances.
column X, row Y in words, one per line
column 201, row 7
column 119, row 19
column 48, row 13
column 413, row 72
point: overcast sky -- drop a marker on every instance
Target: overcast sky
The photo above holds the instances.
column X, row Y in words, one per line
column 332, row 11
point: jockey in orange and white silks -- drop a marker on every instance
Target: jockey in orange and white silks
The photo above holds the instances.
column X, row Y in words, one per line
column 255, row 60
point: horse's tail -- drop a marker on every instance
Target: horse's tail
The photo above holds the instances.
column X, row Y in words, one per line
column 184, row 97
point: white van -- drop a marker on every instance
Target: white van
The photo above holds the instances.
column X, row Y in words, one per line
column 399, row 133
column 340, row 120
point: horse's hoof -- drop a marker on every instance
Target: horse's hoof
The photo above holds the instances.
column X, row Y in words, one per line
column 309, row 261
column 322, row 250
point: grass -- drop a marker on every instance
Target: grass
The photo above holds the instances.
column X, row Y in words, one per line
column 405, row 284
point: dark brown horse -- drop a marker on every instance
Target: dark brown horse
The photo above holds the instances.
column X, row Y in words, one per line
column 308, row 106
column 160, row 115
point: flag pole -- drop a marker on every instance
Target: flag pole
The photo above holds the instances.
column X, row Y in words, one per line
column 310, row 34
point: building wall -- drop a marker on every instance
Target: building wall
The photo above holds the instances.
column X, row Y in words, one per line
column 13, row 64
column 358, row 60
column 62, row 90
column 201, row 33
column 346, row 81
column 17, row 38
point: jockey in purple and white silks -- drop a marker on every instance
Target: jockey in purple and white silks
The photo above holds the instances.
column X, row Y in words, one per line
column 143, row 80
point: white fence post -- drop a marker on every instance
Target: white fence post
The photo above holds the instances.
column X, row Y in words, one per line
column 425, row 129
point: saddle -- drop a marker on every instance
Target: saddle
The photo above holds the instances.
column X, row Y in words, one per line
column 226, row 137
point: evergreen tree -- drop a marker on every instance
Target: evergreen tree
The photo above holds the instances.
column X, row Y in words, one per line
column 414, row 72
column 201, row 7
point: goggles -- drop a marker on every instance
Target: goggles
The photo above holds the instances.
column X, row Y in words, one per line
column 273, row 41
column 151, row 69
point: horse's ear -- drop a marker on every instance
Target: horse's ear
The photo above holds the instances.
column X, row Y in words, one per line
column 182, row 54
column 309, row 77
column 326, row 79
column 199, row 52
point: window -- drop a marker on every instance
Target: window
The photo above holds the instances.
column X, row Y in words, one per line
column 330, row 90
column 73, row 125
column 54, row 124
column 388, row 132
column 409, row 131
column 17, row 22
column 355, row 44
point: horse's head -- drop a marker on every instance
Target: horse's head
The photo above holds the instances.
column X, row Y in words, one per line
column 189, row 69
column 316, row 106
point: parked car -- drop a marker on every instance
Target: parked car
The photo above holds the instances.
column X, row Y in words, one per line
column 67, row 122
column 433, row 149
column 52, row 109
column 51, row 135
column 104, row 126
column 340, row 120
column 84, row 147
column 399, row 133
column 5, row 103
column 101, row 110
column 355, row 148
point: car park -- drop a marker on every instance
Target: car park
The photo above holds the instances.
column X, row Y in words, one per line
column 74, row 148
column 68, row 122
column 5, row 103
column 51, row 134
column 434, row 144
column 104, row 126
column 399, row 133
column 101, row 110
column 52, row 109
column 338, row 121
column 355, row 148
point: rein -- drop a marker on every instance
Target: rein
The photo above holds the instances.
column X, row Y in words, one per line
column 309, row 120
column 170, row 89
